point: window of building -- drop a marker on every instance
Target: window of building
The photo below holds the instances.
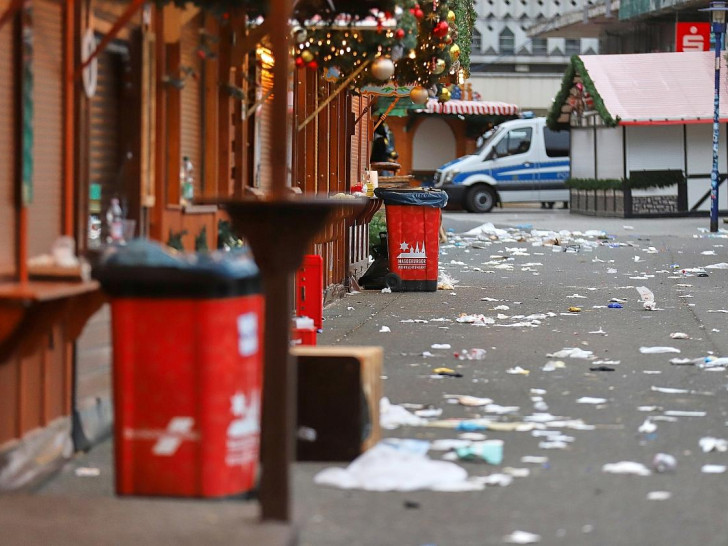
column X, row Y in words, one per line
column 539, row 46
column 507, row 42
column 476, row 41
column 573, row 47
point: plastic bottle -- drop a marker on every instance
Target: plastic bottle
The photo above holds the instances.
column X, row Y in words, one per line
column 187, row 181
column 114, row 222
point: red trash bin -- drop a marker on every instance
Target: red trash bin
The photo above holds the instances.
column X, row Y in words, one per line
column 413, row 228
column 187, row 381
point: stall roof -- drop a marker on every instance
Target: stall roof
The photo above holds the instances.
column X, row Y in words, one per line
column 643, row 89
column 470, row 108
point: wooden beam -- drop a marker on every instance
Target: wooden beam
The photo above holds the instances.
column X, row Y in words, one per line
column 333, row 95
column 385, row 114
column 253, row 37
column 120, row 23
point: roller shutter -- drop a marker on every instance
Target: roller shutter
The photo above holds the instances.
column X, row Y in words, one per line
column 8, row 235
column 191, row 99
column 44, row 214
column 106, row 161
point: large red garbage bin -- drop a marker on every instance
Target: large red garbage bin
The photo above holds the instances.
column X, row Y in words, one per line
column 187, row 381
column 413, row 225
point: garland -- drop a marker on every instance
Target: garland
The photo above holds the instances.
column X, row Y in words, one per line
column 423, row 47
column 302, row 11
column 465, row 16
column 576, row 68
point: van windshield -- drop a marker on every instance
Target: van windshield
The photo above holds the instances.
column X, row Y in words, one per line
column 487, row 138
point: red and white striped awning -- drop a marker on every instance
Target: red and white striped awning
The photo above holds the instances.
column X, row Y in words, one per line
column 471, row 108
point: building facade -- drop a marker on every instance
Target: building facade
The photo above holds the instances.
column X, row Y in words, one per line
column 510, row 65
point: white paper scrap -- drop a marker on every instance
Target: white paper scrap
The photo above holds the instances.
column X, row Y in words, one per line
column 466, row 400
column 647, row 427
column 659, row 495
column 669, row 390
column 680, row 413
column 384, row 330
column 572, row 352
column 392, row 416
column 708, row 444
column 626, row 467
column 591, row 400
column 440, row 346
column 386, row 468
column 679, row 335
column 658, row 350
column 534, row 459
column 522, row 537
column 713, row 469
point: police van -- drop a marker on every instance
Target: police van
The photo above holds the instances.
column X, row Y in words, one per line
column 521, row 160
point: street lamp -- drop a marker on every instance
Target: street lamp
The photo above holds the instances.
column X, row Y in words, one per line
column 717, row 11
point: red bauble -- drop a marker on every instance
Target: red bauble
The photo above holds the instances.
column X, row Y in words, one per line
column 313, row 65
column 440, row 30
column 418, row 13
column 399, row 34
column 300, row 62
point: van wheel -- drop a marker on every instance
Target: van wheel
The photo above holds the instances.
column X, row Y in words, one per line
column 480, row 199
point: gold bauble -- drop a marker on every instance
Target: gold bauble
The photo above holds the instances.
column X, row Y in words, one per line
column 307, row 56
column 439, row 67
column 382, row 68
column 451, row 16
column 444, row 94
column 418, row 94
column 454, row 52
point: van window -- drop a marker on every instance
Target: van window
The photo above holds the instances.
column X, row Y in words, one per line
column 517, row 141
column 557, row 142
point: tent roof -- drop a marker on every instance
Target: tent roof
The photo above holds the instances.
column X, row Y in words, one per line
column 470, row 107
column 645, row 89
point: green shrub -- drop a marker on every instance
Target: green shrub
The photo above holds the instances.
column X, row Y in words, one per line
column 594, row 183
column 655, row 179
column 378, row 223
column 638, row 180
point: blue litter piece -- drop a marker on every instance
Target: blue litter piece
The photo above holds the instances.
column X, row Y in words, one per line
column 615, row 305
column 470, row 426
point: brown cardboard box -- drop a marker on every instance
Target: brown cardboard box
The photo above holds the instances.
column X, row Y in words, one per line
column 339, row 389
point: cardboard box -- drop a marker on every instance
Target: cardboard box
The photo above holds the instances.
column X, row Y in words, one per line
column 339, row 389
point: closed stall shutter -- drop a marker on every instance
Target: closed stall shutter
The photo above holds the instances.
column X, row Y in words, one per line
column 106, row 162
column 355, row 167
column 7, row 152
column 191, row 99
column 263, row 126
column 44, row 214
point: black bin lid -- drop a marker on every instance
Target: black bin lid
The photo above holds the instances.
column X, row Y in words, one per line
column 412, row 196
column 146, row 269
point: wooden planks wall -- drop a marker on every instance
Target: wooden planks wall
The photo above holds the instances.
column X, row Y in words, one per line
column 8, row 232
column 35, row 388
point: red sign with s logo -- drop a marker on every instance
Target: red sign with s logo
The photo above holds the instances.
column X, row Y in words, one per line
column 692, row 36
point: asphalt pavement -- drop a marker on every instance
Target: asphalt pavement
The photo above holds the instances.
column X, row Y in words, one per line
column 567, row 498
column 520, row 286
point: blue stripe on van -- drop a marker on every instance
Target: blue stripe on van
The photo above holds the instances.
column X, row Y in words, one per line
column 540, row 171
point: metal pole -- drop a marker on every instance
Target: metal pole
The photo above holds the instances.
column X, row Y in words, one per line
column 718, row 33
